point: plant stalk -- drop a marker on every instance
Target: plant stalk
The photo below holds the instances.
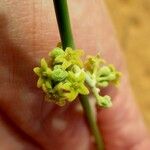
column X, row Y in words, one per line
column 62, row 14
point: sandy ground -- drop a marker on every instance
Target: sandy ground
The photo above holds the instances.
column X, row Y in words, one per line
column 132, row 22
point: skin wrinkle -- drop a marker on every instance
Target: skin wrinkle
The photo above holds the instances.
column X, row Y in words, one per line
column 15, row 33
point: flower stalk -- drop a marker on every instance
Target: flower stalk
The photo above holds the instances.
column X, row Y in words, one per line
column 62, row 14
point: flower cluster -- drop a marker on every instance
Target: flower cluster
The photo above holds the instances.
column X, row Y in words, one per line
column 65, row 76
column 99, row 75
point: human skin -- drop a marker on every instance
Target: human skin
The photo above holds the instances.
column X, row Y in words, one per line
column 28, row 31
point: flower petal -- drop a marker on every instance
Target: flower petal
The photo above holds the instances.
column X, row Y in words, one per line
column 44, row 63
column 37, row 71
column 40, row 82
column 71, row 96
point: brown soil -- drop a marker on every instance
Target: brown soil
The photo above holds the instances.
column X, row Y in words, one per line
column 132, row 22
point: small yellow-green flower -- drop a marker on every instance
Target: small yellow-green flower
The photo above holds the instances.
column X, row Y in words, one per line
column 68, row 58
column 65, row 79
column 93, row 63
column 104, row 101
column 71, row 87
column 56, row 52
column 58, row 74
column 77, row 83
column 107, row 74
column 44, row 74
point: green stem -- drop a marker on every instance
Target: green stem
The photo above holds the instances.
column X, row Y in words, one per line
column 92, row 122
column 62, row 14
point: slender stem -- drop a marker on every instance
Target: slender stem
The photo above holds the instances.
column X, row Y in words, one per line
column 62, row 14
column 92, row 122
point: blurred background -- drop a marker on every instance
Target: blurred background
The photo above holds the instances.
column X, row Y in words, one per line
column 131, row 19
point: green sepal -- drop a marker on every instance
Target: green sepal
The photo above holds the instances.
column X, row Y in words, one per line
column 56, row 52
column 58, row 74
